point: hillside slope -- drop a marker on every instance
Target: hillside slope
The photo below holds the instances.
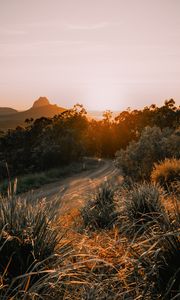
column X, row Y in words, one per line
column 40, row 108
column 7, row 111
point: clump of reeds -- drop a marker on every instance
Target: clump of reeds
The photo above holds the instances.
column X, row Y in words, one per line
column 31, row 250
column 142, row 207
column 100, row 211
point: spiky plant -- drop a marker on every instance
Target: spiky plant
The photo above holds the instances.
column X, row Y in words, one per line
column 168, row 265
column 167, row 173
column 100, row 212
column 158, row 258
column 30, row 247
column 143, row 207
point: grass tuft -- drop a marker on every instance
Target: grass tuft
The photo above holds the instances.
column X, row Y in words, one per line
column 143, row 207
column 167, row 173
column 100, row 212
column 30, row 247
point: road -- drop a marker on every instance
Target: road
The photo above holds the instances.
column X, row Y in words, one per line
column 75, row 190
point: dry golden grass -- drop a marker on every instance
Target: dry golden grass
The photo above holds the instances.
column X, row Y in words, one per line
column 111, row 261
column 167, row 173
column 110, row 264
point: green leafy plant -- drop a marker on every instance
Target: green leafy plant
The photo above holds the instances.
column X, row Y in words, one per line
column 153, row 145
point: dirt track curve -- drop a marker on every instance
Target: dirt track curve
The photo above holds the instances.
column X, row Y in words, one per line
column 75, row 190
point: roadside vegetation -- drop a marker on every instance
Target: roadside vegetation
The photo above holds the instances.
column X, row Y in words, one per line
column 33, row 181
column 124, row 242
column 48, row 143
column 100, row 211
column 167, row 173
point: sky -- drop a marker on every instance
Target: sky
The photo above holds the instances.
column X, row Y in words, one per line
column 104, row 54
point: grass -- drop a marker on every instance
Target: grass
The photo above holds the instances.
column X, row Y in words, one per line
column 36, row 180
column 89, row 254
column 157, row 258
column 100, row 211
column 143, row 207
column 86, row 264
column 31, row 249
column 167, row 173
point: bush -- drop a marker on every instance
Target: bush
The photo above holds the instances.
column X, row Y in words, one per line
column 166, row 173
column 29, row 247
column 160, row 264
column 137, row 160
column 168, row 265
column 100, row 212
column 143, row 206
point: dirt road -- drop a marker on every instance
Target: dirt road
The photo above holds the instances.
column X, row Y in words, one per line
column 75, row 190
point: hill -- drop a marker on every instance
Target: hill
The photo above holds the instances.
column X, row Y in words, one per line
column 7, row 111
column 11, row 118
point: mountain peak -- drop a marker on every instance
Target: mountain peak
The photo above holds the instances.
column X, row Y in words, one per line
column 41, row 101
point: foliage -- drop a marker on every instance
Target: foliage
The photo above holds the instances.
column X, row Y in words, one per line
column 44, row 144
column 30, row 248
column 159, row 261
column 154, row 144
column 167, row 173
column 143, row 207
column 100, row 212
column 48, row 143
column 140, row 259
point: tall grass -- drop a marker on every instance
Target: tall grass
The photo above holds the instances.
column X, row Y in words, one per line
column 30, row 248
column 157, row 256
column 142, row 207
column 39, row 260
column 100, row 211
column 167, row 173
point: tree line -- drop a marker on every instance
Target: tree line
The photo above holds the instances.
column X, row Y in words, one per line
column 53, row 142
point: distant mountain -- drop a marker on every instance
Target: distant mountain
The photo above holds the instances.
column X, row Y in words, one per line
column 42, row 101
column 11, row 118
column 7, row 111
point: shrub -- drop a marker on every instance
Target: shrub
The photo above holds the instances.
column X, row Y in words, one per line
column 143, row 206
column 160, row 264
column 100, row 212
column 137, row 160
column 168, row 265
column 28, row 248
column 166, row 173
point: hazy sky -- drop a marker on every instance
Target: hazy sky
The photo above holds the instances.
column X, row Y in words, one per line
column 101, row 53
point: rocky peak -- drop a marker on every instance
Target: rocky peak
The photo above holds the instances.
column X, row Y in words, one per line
column 42, row 101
